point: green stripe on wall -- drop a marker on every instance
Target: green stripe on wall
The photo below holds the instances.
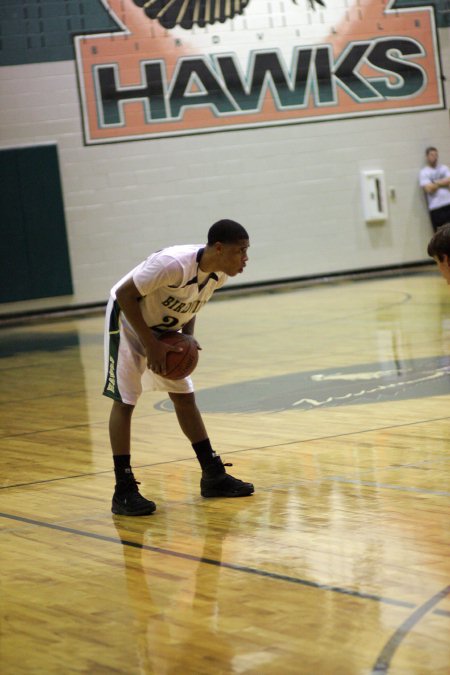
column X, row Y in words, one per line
column 441, row 9
column 37, row 31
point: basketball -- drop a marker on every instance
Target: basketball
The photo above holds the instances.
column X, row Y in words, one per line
column 180, row 364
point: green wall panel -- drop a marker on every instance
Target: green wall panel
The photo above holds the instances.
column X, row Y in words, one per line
column 34, row 262
column 14, row 278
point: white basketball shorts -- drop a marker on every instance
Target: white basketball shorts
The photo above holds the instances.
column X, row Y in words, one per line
column 126, row 372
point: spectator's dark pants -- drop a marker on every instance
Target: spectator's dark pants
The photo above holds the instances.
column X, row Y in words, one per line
column 440, row 216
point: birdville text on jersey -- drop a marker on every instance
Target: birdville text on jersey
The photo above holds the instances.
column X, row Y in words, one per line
column 168, row 74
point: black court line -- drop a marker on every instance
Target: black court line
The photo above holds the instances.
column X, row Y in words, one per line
column 384, row 659
column 218, row 563
column 328, row 479
column 88, row 425
column 231, row 452
column 386, row 486
column 141, row 416
column 210, row 561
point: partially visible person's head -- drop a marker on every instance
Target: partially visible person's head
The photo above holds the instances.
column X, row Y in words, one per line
column 226, row 232
column 432, row 156
column 439, row 245
column 439, row 250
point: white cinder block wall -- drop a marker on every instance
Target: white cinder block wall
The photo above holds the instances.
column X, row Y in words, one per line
column 295, row 187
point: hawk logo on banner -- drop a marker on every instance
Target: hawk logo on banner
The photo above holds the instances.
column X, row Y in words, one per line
column 196, row 66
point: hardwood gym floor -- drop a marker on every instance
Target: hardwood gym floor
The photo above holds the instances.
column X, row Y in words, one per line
column 332, row 399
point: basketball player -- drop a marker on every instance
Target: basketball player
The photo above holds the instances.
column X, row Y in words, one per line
column 439, row 249
column 165, row 292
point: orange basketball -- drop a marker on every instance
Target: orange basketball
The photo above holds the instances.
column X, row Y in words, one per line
column 180, row 364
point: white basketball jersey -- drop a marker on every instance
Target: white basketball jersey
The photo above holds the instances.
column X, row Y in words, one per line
column 172, row 286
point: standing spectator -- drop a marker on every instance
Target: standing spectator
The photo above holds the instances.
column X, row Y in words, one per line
column 435, row 181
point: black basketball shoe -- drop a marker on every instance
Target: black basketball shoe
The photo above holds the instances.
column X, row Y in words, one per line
column 128, row 501
column 215, row 482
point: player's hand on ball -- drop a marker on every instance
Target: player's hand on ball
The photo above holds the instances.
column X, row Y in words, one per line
column 182, row 359
column 157, row 359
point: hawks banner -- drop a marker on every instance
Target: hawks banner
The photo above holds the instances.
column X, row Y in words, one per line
column 196, row 66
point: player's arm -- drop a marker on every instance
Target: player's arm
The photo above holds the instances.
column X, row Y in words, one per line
column 128, row 297
column 188, row 329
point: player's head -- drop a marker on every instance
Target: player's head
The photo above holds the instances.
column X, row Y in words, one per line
column 432, row 155
column 226, row 232
column 228, row 244
column 439, row 250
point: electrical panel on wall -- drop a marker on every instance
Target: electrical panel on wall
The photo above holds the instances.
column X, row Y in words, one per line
column 374, row 200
